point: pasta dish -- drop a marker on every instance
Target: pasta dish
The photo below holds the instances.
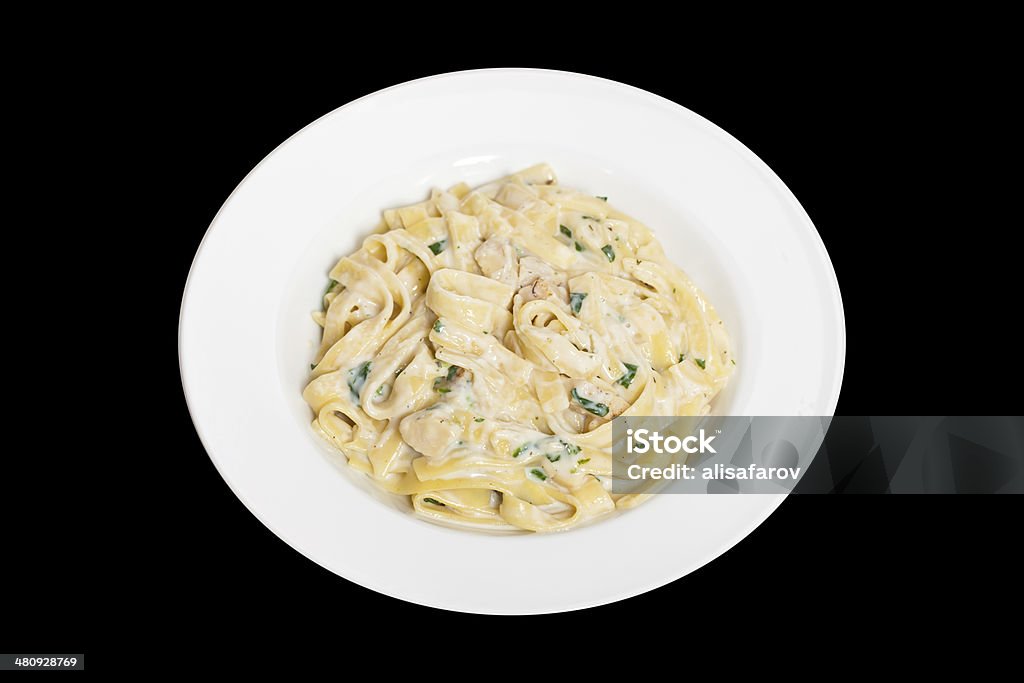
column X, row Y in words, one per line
column 477, row 347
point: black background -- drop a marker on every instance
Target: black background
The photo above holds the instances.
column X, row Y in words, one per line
column 880, row 155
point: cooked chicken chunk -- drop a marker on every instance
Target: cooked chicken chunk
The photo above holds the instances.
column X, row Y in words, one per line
column 538, row 280
column 497, row 260
column 542, row 288
column 531, row 268
column 430, row 431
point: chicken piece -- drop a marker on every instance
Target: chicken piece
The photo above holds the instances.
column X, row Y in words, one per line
column 543, row 288
column 497, row 260
column 531, row 268
column 430, row 431
column 538, row 280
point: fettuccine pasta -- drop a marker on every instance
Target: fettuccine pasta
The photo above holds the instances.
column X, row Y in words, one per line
column 476, row 349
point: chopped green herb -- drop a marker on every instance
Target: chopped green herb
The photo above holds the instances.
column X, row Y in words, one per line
column 700, row 362
column 519, row 451
column 380, row 390
column 433, row 501
column 478, row 419
column 539, row 474
column 589, row 218
column 583, row 461
column 576, row 300
column 603, row 199
column 553, row 458
column 571, row 448
column 438, row 247
column 682, row 357
column 442, row 385
column 627, row 378
column 594, row 407
column 609, row 252
column 438, row 325
column 733, row 362
column 579, row 247
column 565, row 231
column 357, row 378
column 312, row 366
column 330, row 288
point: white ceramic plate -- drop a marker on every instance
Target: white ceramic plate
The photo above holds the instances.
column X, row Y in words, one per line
column 246, row 337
